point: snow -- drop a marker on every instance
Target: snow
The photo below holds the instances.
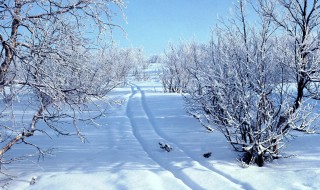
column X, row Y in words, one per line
column 124, row 152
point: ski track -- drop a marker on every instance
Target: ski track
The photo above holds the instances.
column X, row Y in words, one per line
column 142, row 142
column 190, row 171
column 177, row 144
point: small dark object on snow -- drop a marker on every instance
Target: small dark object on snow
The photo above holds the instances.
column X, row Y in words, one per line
column 164, row 146
column 207, row 155
column 33, row 180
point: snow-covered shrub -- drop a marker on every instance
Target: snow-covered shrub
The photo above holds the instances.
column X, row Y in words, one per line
column 254, row 88
column 178, row 61
column 119, row 63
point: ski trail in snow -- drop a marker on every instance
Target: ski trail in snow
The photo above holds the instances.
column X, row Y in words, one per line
column 178, row 162
column 177, row 144
column 130, row 115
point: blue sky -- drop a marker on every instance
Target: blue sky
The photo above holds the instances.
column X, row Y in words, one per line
column 152, row 24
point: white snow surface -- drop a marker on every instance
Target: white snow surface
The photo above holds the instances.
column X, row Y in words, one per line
column 123, row 153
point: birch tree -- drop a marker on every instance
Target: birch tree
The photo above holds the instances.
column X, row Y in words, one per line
column 299, row 20
column 258, row 82
column 47, row 66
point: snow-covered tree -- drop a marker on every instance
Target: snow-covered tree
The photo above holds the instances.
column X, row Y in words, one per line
column 47, row 68
column 246, row 89
column 299, row 21
column 177, row 64
column 119, row 63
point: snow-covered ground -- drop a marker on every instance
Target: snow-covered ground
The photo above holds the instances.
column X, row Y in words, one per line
column 124, row 153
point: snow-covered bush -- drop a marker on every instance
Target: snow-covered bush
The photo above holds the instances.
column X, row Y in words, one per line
column 256, row 82
column 178, row 61
column 119, row 63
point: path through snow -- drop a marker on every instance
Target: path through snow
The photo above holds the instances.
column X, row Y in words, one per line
column 183, row 167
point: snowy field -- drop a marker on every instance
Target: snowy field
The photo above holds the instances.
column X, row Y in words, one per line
column 123, row 153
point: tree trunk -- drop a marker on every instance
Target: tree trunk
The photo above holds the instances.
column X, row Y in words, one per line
column 260, row 160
